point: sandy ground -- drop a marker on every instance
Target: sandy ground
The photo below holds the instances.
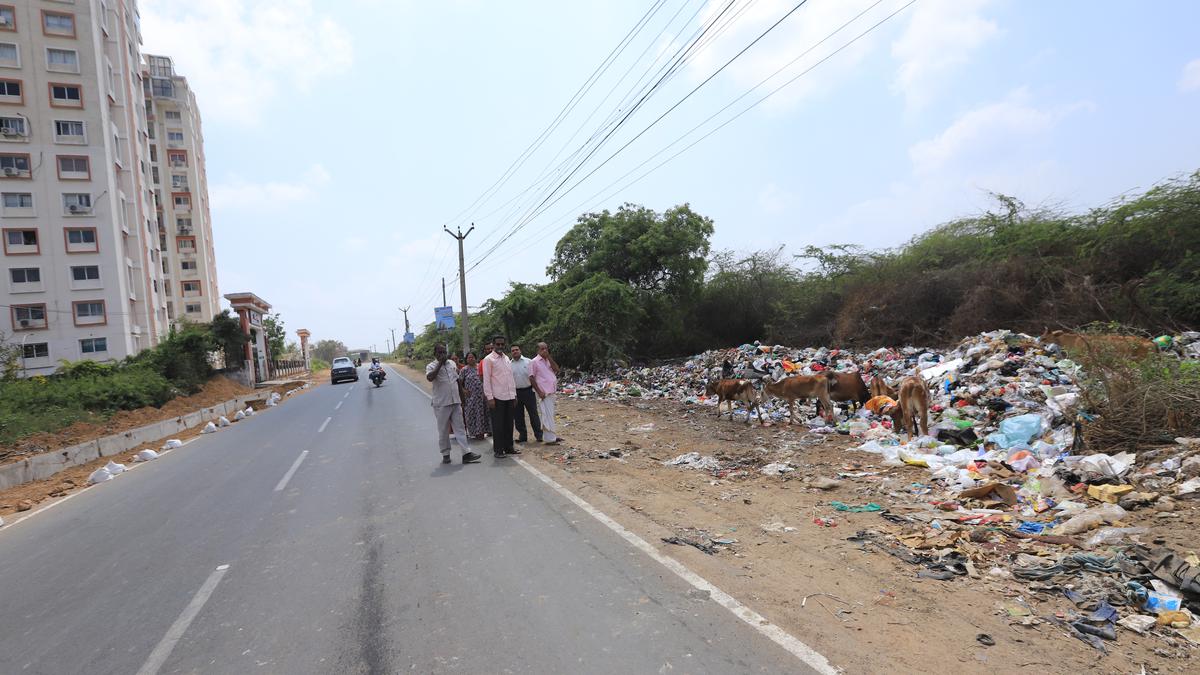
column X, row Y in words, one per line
column 40, row 493
column 866, row 610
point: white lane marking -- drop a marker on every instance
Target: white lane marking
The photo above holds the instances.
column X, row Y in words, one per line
column 8, row 525
column 323, row 424
column 159, row 656
column 758, row 622
column 288, row 476
column 339, row 405
column 347, row 395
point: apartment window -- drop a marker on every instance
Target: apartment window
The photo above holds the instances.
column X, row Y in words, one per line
column 182, row 201
column 10, row 55
column 160, row 86
column 89, row 312
column 85, row 273
column 18, row 200
column 174, row 136
column 93, row 345
column 190, row 287
column 13, row 127
column 186, row 244
column 36, row 350
column 66, row 95
column 62, row 60
column 25, row 279
column 191, row 308
column 21, row 242
column 81, row 240
column 183, row 225
column 179, row 182
column 77, row 203
column 14, row 165
column 177, row 158
column 154, row 174
column 61, row 24
column 69, row 131
column 173, row 115
column 28, row 317
column 74, row 167
column 188, row 265
column 10, row 92
column 8, row 18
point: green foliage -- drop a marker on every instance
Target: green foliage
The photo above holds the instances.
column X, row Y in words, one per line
column 319, row 364
column 10, row 358
column 228, row 338
column 328, row 350
column 276, row 335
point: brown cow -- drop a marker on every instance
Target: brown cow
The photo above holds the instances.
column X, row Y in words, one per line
column 1132, row 346
column 845, row 387
column 913, row 409
column 879, row 387
column 735, row 390
column 802, row 387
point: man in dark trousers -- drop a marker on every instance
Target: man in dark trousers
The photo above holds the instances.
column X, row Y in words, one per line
column 501, row 392
column 526, row 399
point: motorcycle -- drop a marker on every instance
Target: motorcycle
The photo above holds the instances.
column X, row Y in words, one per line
column 378, row 376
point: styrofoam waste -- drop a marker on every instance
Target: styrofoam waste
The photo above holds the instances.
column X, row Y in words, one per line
column 145, row 455
column 172, row 444
column 114, row 468
column 694, row 460
column 209, row 428
column 223, row 421
column 777, row 469
column 241, row 415
column 99, row 476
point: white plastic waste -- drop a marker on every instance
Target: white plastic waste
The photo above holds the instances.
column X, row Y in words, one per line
column 249, row 412
column 223, row 421
column 114, row 468
column 146, row 455
column 209, row 428
column 172, row 444
column 1101, row 465
column 99, row 476
column 777, row 469
column 1, row 522
column 693, row 460
column 241, row 415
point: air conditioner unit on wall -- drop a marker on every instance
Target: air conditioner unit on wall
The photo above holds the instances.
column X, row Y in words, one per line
column 24, row 323
column 10, row 131
column 11, row 171
column 73, row 208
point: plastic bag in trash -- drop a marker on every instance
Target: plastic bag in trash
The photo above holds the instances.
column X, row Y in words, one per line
column 249, row 412
column 1101, row 465
column 99, row 476
column 1022, row 428
column 114, row 468
column 239, row 416
column 1113, row 535
column 172, row 444
column 209, row 428
column 223, row 421
column 146, row 455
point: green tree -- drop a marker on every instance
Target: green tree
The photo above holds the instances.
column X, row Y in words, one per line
column 328, row 350
column 228, row 338
column 10, row 358
column 276, row 335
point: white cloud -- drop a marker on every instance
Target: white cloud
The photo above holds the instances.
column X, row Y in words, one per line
column 939, row 38
column 240, row 55
column 799, row 33
column 993, row 128
column 773, row 199
column 241, row 194
column 1190, row 80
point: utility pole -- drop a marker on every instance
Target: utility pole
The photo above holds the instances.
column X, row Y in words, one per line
column 462, row 284
column 443, row 291
column 393, row 340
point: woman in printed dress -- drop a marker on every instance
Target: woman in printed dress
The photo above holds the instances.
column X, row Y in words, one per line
column 475, row 404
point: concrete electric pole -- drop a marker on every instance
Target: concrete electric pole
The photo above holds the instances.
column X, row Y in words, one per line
column 462, row 284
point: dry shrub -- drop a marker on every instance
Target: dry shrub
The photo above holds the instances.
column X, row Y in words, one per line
column 1139, row 404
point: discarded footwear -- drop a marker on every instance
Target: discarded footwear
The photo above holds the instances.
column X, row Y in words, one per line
column 468, row 458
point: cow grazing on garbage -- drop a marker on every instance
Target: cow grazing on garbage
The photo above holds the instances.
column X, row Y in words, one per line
column 913, row 409
column 847, row 387
column 735, row 390
column 802, row 387
column 1130, row 346
column 879, row 387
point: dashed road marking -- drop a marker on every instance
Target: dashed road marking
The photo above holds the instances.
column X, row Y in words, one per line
column 163, row 650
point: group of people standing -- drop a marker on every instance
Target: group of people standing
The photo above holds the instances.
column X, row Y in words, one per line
column 493, row 396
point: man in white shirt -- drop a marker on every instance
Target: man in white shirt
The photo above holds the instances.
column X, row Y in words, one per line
column 447, row 405
column 526, row 399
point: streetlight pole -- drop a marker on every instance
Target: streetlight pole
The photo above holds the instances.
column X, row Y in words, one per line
column 462, row 285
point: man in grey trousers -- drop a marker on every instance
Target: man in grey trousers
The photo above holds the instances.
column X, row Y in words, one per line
column 447, row 405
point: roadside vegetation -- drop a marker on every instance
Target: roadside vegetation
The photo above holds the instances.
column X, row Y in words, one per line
column 90, row 391
column 636, row 285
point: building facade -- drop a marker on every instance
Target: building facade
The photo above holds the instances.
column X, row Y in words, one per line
column 180, row 183
column 83, row 242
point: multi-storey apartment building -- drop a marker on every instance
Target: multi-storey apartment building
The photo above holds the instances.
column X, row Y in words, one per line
column 82, row 273
column 189, row 264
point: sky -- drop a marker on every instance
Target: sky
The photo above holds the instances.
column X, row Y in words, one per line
column 343, row 135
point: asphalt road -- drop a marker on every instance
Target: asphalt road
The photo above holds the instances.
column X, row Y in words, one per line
column 372, row 558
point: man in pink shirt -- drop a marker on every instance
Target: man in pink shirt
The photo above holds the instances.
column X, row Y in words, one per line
column 500, row 389
column 543, row 373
